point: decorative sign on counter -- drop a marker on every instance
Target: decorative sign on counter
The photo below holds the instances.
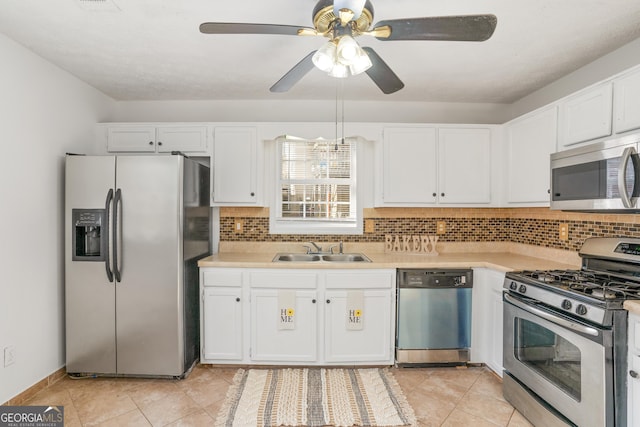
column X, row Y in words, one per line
column 286, row 309
column 355, row 302
column 423, row 244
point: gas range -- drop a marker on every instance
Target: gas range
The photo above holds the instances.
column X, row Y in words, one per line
column 610, row 275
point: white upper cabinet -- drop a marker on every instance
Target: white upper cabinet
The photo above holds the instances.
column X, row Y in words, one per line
column 409, row 166
column 627, row 102
column 529, row 142
column 464, row 157
column 586, row 115
column 235, row 167
column 145, row 138
column 423, row 166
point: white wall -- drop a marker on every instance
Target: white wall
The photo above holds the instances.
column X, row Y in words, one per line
column 309, row 111
column 44, row 112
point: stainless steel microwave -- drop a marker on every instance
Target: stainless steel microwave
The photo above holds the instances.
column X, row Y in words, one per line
column 604, row 176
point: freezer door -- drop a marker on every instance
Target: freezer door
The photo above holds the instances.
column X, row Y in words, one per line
column 149, row 297
column 89, row 296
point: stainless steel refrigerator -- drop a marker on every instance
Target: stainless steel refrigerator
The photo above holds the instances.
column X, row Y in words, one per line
column 135, row 227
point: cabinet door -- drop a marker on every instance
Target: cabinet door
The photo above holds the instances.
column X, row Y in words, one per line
column 586, row 116
column 222, row 324
column 464, row 166
column 495, row 357
column 530, row 141
column 270, row 341
column 131, row 139
column 634, row 392
column 370, row 341
column 188, row 139
column 234, row 166
column 409, row 166
column 627, row 102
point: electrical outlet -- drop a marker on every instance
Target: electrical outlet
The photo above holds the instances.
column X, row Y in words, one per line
column 564, row 231
column 369, row 226
column 441, row 227
column 9, row 355
column 238, row 226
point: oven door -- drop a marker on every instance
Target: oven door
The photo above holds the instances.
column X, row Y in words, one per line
column 561, row 360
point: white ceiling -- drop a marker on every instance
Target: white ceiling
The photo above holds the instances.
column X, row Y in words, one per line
column 153, row 50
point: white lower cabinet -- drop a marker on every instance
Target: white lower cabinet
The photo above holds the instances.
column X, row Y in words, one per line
column 222, row 306
column 278, row 336
column 298, row 316
column 633, row 384
column 486, row 329
column 362, row 334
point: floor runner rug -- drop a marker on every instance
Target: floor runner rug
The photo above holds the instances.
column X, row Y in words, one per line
column 315, row 397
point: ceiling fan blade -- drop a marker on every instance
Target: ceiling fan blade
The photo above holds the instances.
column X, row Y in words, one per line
column 381, row 74
column 475, row 28
column 243, row 28
column 294, row 75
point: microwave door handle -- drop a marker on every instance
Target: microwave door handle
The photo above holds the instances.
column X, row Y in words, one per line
column 627, row 201
column 551, row 318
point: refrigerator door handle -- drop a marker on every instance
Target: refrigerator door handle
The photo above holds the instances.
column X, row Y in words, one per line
column 117, row 234
column 107, row 247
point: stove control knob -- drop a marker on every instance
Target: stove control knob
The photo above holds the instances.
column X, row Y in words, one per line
column 523, row 289
column 513, row 286
column 581, row 310
column 566, row 304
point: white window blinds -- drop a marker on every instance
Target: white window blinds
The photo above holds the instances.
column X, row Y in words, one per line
column 317, row 180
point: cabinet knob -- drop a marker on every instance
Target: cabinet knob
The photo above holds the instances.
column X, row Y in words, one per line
column 159, row 143
column 238, row 299
column 150, row 142
column 549, row 191
column 633, row 374
column 313, row 301
column 253, row 194
column 441, row 194
column 328, row 301
column 434, row 194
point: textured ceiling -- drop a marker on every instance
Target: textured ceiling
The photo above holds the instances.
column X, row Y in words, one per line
column 152, row 49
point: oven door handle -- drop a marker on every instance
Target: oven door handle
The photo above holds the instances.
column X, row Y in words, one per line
column 551, row 318
column 627, row 201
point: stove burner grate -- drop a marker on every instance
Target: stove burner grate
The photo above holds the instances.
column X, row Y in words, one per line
column 598, row 285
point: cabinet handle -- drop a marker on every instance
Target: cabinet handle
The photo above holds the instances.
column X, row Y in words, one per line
column 633, row 374
column 238, row 299
column 150, row 142
column 328, row 301
column 313, row 301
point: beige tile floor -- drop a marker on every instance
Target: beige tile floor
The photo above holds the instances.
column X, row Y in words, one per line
column 440, row 397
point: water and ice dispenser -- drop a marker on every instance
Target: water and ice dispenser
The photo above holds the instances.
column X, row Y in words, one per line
column 89, row 234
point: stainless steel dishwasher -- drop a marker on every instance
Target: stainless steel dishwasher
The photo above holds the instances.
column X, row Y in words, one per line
column 433, row 316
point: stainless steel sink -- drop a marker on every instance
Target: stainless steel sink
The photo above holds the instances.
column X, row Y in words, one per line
column 345, row 258
column 296, row 258
column 293, row 257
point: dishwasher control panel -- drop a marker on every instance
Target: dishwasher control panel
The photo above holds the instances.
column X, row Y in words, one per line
column 435, row 278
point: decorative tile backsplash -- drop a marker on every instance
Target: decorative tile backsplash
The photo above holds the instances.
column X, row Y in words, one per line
column 533, row 226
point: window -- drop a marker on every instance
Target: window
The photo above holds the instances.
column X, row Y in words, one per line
column 316, row 186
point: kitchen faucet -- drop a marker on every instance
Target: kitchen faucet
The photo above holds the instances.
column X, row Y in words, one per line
column 333, row 246
column 318, row 248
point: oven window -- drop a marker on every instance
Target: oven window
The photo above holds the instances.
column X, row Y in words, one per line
column 548, row 354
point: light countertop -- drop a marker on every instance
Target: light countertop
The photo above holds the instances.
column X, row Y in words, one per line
column 243, row 257
column 633, row 307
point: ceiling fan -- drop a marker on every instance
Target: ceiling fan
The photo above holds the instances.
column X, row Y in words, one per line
column 342, row 20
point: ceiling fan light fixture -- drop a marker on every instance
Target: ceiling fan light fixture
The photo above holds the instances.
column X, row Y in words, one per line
column 347, row 50
column 361, row 64
column 325, row 57
column 339, row 71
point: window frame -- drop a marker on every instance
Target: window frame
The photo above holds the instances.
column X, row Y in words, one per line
column 283, row 225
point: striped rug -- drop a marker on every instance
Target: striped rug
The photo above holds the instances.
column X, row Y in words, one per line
column 315, row 397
